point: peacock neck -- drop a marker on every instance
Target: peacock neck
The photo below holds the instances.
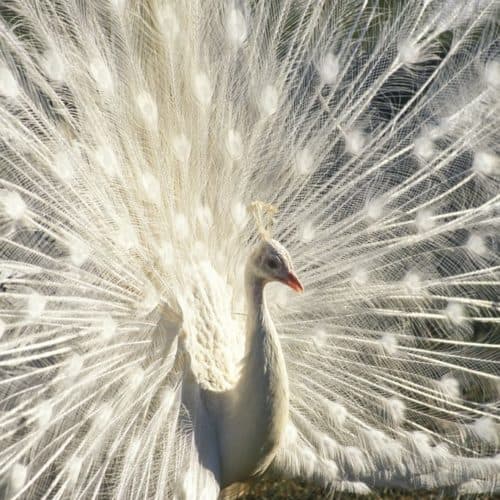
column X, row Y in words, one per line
column 263, row 350
column 258, row 413
column 258, row 317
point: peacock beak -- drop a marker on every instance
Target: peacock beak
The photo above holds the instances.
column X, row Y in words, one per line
column 293, row 282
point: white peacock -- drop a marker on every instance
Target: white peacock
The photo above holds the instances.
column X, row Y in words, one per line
column 140, row 356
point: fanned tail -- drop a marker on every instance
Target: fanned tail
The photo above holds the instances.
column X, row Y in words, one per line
column 133, row 137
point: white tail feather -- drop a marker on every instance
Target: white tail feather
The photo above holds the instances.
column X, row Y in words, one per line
column 134, row 134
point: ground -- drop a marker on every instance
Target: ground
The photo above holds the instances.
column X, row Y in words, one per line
column 292, row 490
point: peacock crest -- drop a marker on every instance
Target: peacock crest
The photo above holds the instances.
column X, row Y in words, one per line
column 263, row 215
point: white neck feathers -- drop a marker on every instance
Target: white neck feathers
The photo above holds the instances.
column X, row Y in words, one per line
column 256, row 413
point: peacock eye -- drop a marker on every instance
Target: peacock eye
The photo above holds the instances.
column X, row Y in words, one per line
column 272, row 263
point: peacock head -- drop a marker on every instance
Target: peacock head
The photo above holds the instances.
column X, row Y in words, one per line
column 271, row 262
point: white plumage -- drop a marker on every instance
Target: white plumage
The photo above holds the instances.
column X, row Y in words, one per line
column 138, row 356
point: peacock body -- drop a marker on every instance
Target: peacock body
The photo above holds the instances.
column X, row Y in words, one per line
column 141, row 355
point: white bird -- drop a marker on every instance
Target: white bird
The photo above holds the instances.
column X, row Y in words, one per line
column 251, row 418
column 141, row 354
